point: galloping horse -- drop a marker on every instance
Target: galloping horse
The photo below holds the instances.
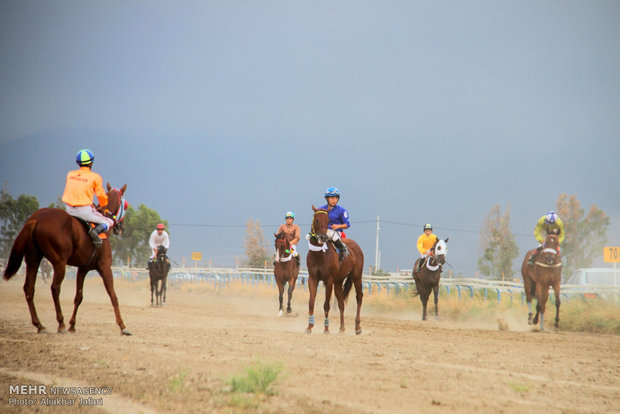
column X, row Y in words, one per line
column 537, row 278
column 427, row 278
column 159, row 272
column 64, row 240
column 324, row 264
column 285, row 270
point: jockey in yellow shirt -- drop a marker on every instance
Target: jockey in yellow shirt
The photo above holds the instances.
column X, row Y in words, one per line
column 82, row 184
column 547, row 224
column 426, row 241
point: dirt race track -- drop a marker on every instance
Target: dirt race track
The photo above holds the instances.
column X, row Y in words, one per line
column 181, row 355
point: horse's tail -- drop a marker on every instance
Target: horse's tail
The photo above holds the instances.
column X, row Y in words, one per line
column 348, row 284
column 18, row 249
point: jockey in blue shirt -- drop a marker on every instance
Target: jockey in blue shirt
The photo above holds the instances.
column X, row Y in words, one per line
column 338, row 219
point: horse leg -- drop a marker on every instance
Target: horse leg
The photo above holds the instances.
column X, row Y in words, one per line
column 328, row 295
column 436, row 299
column 59, row 276
column 530, row 290
column 108, row 282
column 542, row 295
column 280, row 294
column 359, row 294
column 340, row 297
column 556, row 292
column 159, row 291
column 31, row 278
column 291, row 287
column 312, row 287
column 165, row 286
column 152, row 289
column 424, row 298
column 79, row 289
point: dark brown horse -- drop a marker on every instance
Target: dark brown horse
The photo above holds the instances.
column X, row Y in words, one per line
column 285, row 270
column 537, row 278
column 158, row 273
column 324, row 265
column 427, row 278
column 63, row 240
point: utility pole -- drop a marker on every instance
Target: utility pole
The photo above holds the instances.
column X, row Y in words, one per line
column 377, row 253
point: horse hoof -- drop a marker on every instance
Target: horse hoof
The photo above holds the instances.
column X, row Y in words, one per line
column 126, row 332
column 42, row 330
column 308, row 331
column 358, row 331
column 289, row 310
column 326, row 332
column 280, row 313
column 62, row 330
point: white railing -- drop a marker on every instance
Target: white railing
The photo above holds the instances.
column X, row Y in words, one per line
column 393, row 284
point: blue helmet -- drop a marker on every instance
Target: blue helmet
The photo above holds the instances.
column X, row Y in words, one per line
column 551, row 217
column 84, row 157
column 289, row 214
column 332, row 192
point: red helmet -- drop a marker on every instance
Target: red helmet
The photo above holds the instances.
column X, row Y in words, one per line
column 160, row 226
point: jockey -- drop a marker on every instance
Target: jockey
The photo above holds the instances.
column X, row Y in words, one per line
column 338, row 219
column 547, row 224
column 291, row 232
column 80, row 188
column 159, row 237
column 426, row 241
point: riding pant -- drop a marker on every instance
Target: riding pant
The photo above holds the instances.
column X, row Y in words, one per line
column 89, row 214
column 334, row 235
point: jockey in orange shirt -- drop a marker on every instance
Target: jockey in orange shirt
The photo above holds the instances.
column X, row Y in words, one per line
column 81, row 186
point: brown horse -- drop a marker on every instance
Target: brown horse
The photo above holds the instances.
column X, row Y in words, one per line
column 64, row 240
column 324, row 265
column 427, row 278
column 537, row 278
column 285, row 270
column 158, row 273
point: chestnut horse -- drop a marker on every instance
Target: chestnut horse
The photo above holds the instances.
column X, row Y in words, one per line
column 537, row 278
column 285, row 270
column 64, row 240
column 427, row 278
column 324, row 265
column 158, row 272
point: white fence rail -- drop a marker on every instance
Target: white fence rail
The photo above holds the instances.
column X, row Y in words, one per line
column 488, row 289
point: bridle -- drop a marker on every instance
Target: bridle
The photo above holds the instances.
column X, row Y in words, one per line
column 287, row 247
column 313, row 234
column 120, row 212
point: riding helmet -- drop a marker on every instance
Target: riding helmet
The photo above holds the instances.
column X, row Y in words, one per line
column 160, row 226
column 84, row 157
column 551, row 217
column 332, row 192
column 428, row 227
column 289, row 214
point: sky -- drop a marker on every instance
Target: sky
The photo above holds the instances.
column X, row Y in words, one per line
column 217, row 112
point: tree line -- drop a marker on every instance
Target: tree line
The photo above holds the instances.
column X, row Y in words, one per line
column 586, row 235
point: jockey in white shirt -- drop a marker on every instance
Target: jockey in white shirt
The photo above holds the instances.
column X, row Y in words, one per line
column 159, row 237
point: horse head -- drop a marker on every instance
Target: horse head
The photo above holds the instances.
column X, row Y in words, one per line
column 116, row 208
column 440, row 250
column 551, row 249
column 282, row 244
column 320, row 223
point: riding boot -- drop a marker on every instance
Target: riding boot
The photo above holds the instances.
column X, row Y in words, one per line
column 340, row 245
column 94, row 234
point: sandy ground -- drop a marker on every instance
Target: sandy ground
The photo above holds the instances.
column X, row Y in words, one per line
column 181, row 355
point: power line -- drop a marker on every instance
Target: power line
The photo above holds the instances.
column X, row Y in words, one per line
column 352, row 222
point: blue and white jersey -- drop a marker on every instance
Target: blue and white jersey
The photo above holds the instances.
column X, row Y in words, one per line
column 337, row 215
